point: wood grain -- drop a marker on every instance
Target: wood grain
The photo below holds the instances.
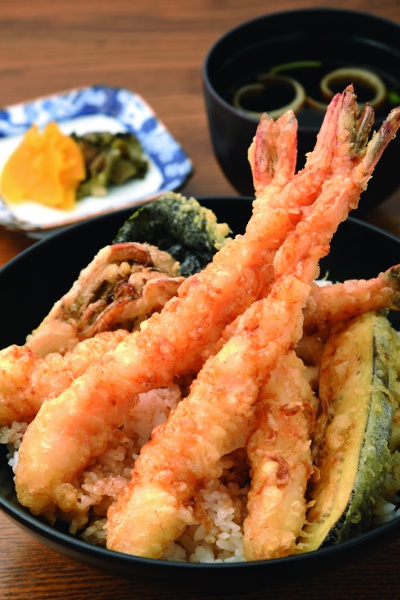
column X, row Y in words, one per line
column 157, row 49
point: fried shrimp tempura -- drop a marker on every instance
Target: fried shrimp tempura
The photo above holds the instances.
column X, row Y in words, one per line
column 210, row 422
column 279, row 451
column 339, row 301
column 27, row 380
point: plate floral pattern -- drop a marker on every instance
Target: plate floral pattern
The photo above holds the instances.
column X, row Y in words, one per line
column 97, row 108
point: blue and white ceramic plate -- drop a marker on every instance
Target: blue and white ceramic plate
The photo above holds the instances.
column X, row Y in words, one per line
column 98, row 108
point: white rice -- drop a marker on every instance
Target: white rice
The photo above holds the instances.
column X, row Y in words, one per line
column 387, row 506
column 12, row 438
column 218, row 535
column 219, row 538
column 100, row 484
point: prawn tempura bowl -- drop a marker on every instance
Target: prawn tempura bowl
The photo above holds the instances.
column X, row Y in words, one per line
column 358, row 251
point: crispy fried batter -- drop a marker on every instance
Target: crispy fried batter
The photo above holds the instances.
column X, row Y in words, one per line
column 27, row 380
column 280, row 456
column 340, row 301
column 121, row 287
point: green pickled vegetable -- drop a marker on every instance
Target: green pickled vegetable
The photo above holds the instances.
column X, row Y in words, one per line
column 110, row 159
column 181, row 226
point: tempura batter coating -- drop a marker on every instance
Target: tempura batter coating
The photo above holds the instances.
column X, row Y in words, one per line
column 339, row 301
column 27, row 380
column 121, row 287
column 280, row 457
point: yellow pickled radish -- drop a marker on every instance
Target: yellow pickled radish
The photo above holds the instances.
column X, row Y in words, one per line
column 46, row 168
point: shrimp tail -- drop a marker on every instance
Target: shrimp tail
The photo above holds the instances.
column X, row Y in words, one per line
column 381, row 139
column 273, row 152
column 339, row 301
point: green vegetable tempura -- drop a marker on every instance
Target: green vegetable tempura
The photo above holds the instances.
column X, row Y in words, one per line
column 181, row 226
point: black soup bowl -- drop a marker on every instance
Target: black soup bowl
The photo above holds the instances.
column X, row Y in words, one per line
column 298, row 59
column 35, row 279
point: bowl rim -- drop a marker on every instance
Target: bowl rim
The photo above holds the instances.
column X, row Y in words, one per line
column 55, row 537
column 237, row 29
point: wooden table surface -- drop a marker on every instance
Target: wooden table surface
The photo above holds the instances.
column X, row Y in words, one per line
column 156, row 48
